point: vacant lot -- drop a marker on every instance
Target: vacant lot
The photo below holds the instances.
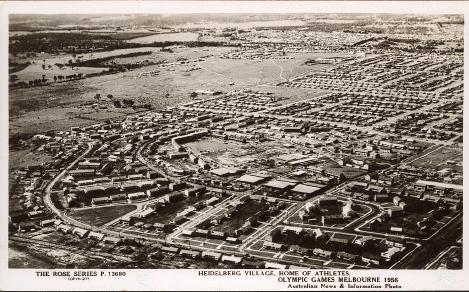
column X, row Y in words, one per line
column 167, row 213
column 212, row 145
column 30, row 108
column 36, row 71
column 101, row 215
column 166, row 37
column 20, row 257
column 239, row 218
column 348, row 172
column 439, row 158
column 25, row 157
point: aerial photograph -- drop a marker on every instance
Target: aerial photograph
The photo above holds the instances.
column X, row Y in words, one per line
column 235, row 141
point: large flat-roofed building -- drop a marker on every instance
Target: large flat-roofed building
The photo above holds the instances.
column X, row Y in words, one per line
column 279, row 185
column 251, row 179
column 305, row 189
column 425, row 185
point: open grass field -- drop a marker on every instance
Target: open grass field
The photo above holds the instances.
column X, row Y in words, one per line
column 30, row 108
column 167, row 213
column 212, row 146
column 238, row 219
column 21, row 258
column 65, row 114
column 166, row 37
column 25, row 157
column 438, row 159
column 97, row 216
column 35, row 71
column 348, row 172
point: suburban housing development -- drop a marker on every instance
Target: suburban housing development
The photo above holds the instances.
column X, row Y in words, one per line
column 238, row 141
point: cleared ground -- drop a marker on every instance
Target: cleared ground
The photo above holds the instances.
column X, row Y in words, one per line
column 29, row 107
column 101, row 215
column 439, row 158
column 166, row 37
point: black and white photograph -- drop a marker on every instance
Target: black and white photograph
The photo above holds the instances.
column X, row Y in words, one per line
column 229, row 142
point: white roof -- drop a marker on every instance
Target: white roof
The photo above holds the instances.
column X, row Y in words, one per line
column 247, row 178
column 439, row 184
column 278, row 184
column 305, row 189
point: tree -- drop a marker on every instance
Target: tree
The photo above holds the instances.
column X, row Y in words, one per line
column 110, row 96
column 128, row 102
column 97, row 96
column 49, row 66
column 117, row 103
column 55, row 78
column 13, row 77
column 43, row 67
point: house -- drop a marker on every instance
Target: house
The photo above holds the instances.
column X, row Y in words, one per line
column 111, row 240
column 187, row 232
column 46, row 223
column 331, row 219
column 158, row 191
column 136, row 196
column 169, row 249
column 327, row 202
column 396, row 242
column 252, row 264
column 371, row 259
column 297, row 249
column 201, row 232
column 381, row 197
column 211, row 201
column 273, row 246
column 27, row 227
column 271, row 265
column 159, row 226
column 118, row 197
column 292, row 229
column 362, row 240
column 174, row 197
column 189, row 253
column 232, row 239
column 178, row 220
column 395, row 211
column 64, row 228
column 347, row 256
column 215, row 256
column 387, row 255
column 99, row 201
column 231, row 259
column 96, row 235
column 80, row 232
column 322, row 253
column 145, row 212
column 195, row 191
column 396, row 229
column 217, row 235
